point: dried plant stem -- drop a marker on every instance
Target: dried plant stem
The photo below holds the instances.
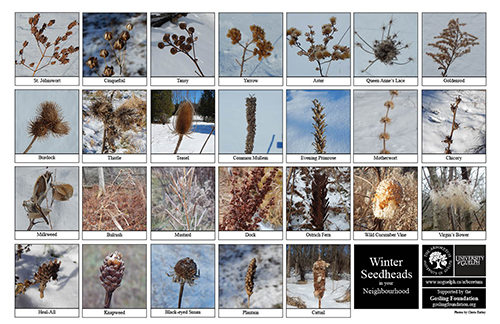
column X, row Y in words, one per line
column 178, row 143
column 384, row 136
column 30, row 145
column 208, row 137
column 107, row 299
column 181, row 291
column 454, row 125
column 251, row 104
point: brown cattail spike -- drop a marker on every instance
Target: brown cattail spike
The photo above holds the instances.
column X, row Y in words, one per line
column 319, row 273
column 251, row 104
column 249, row 279
column 112, row 270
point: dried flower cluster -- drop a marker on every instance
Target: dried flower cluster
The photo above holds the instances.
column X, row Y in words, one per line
column 262, row 49
column 182, row 44
column 319, row 273
column 320, row 53
column 131, row 115
column 388, row 196
column 251, row 104
column 454, row 125
column 451, row 44
column 384, row 136
column 319, row 127
column 385, row 50
column 111, row 270
column 249, row 279
column 118, row 47
column 185, row 271
column 46, row 272
column 245, row 210
column 45, row 46
column 457, row 194
column 48, row 121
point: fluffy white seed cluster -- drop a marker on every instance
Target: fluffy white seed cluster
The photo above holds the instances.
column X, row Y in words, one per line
column 457, row 193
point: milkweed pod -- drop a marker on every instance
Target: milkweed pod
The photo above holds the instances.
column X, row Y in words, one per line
column 62, row 191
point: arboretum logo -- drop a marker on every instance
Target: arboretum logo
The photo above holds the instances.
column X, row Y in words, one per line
column 437, row 260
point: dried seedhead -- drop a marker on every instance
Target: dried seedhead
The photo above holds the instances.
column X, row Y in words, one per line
column 454, row 125
column 48, row 121
column 320, row 53
column 319, row 273
column 384, row 136
column 45, row 273
column 51, row 52
column 451, row 44
column 111, row 270
column 262, row 49
column 183, row 122
column 385, row 50
column 118, row 47
column 249, row 279
column 185, row 271
column 251, row 108
column 182, row 44
column 319, row 125
column 388, row 197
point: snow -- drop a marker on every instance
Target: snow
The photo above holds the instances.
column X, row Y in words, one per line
column 165, row 292
column 64, row 215
column 300, row 129
column 268, row 284
column 165, row 64
column 233, row 124
column 437, row 119
column 132, row 141
column 272, row 23
column 27, row 102
column 164, row 141
column 334, row 289
column 94, row 27
column 299, row 66
column 369, row 109
column 471, row 64
column 32, row 53
column 64, row 292
column 369, row 27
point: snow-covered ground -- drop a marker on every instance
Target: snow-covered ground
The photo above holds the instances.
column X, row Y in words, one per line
column 62, row 293
column 334, row 289
column 338, row 222
column 27, row 102
column 470, row 64
column 94, row 27
column 163, row 140
column 299, row 66
column 32, row 52
column 131, row 142
column 165, row 64
column 369, row 109
column 268, row 284
column 299, row 120
column 64, row 215
column 369, row 27
column 233, row 122
column 272, row 23
column 165, row 292
column 437, row 120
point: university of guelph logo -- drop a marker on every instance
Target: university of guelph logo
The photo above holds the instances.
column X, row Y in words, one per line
column 438, row 260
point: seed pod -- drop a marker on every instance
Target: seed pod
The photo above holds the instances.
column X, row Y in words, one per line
column 129, row 26
column 125, row 35
column 103, row 53
column 108, row 36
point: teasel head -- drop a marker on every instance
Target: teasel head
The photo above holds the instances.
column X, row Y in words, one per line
column 183, row 121
column 112, row 270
